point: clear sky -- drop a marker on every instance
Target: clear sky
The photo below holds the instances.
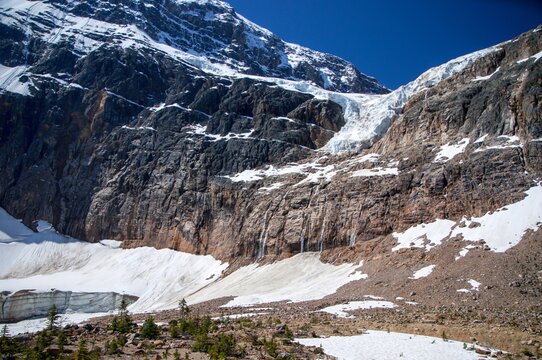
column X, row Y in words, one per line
column 394, row 41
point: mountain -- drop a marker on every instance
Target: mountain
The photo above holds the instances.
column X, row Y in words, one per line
column 208, row 35
column 181, row 80
column 309, row 187
column 181, row 124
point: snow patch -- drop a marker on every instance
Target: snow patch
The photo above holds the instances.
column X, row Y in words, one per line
column 483, row 78
column 271, row 187
column 293, row 279
column 240, row 316
column 138, row 128
column 425, row 236
column 536, row 57
column 475, row 286
column 510, row 143
column 448, row 152
column 423, row 272
column 341, row 310
column 391, row 346
column 463, row 252
column 377, row 171
column 201, row 130
column 314, row 172
column 10, row 80
column 481, row 139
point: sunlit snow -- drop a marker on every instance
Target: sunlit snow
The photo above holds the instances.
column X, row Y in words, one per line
column 501, row 229
column 423, row 272
column 449, row 151
column 384, row 345
column 300, row 278
column 159, row 278
column 341, row 310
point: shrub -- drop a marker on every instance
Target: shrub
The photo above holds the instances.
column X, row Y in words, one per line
column 82, row 352
column 201, row 343
column 112, row 347
column 271, row 347
column 222, row 348
column 150, row 330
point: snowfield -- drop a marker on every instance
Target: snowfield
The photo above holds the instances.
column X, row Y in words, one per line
column 160, row 278
column 382, row 345
column 35, row 325
column 300, row 278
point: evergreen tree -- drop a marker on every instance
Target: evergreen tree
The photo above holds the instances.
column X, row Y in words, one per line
column 43, row 340
column 52, row 317
column 174, row 330
column 176, row 355
column 183, row 309
column 122, row 322
column 5, row 331
column 150, row 330
column 62, row 341
column 8, row 346
column 82, row 352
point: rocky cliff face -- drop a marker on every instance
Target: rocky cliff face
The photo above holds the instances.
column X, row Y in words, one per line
column 124, row 121
column 206, row 34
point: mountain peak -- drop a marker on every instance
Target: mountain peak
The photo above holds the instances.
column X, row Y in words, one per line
column 208, row 34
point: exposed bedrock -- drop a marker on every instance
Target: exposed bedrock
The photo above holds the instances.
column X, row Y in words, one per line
column 148, row 156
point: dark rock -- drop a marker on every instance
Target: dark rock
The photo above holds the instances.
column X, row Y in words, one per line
column 138, row 147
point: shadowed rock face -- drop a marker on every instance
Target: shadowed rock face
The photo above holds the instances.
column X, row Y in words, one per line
column 132, row 144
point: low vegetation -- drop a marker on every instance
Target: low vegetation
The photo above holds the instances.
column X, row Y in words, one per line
column 181, row 338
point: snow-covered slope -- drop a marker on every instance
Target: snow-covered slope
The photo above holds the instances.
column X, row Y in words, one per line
column 369, row 116
column 500, row 230
column 47, row 260
column 160, row 278
column 300, row 278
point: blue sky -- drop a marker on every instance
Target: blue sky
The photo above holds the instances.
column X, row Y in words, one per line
column 394, row 41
